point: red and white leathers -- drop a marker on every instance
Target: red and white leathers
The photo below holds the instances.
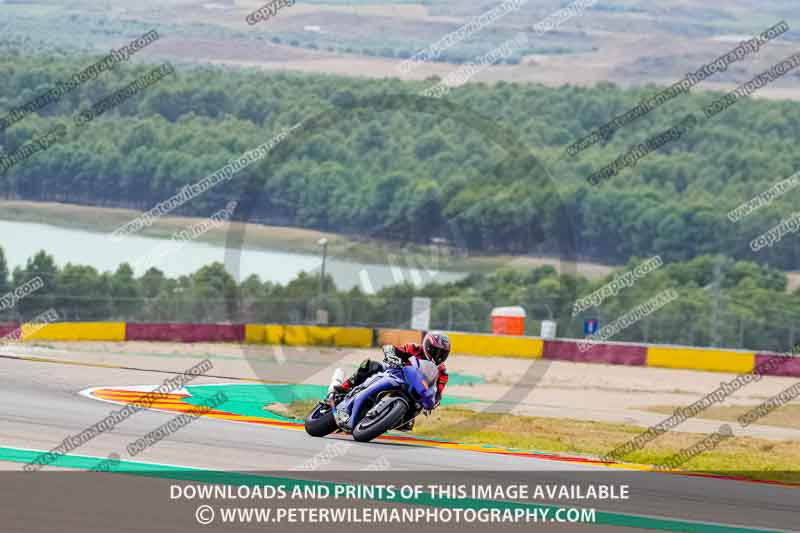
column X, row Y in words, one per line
column 404, row 351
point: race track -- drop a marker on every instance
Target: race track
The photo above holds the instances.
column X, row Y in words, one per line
column 41, row 405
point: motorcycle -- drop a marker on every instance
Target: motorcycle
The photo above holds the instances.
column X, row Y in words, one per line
column 388, row 400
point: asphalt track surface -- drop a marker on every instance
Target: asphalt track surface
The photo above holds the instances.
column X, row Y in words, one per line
column 41, row 405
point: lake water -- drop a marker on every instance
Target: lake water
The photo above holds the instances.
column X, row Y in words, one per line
column 21, row 240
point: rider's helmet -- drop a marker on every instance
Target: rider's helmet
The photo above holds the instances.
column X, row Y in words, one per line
column 436, row 346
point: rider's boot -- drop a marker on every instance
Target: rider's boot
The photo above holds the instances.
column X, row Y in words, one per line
column 336, row 381
column 338, row 388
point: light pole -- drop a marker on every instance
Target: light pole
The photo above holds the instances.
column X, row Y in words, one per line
column 322, row 317
column 324, row 243
column 438, row 242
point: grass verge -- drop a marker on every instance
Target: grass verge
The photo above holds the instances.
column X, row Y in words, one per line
column 745, row 456
column 788, row 416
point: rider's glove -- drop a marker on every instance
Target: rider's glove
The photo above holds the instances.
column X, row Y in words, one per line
column 390, row 358
column 393, row 361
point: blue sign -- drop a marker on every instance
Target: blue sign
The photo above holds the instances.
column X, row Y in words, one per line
column 590, row 326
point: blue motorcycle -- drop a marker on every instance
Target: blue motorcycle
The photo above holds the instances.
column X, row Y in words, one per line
column 385, row 401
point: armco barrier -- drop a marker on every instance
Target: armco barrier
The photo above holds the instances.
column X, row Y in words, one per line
column 496, row 345
column 700, row 359
column 185, row 332
column 74, row 331
column 603, row 353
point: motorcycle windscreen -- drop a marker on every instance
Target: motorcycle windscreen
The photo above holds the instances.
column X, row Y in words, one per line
column 421, row 376
column 429, row 371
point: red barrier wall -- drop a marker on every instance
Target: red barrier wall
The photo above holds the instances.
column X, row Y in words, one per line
column 6, row 329
column 788, row 367
column 610, row 354
column 184, row 332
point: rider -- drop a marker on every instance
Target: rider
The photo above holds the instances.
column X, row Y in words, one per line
column 435, row 347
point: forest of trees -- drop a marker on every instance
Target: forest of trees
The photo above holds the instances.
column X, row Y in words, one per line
column 751, row 309
column 404, row 171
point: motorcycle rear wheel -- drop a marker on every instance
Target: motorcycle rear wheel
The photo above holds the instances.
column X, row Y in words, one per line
column 369, row 428
column 320, row 421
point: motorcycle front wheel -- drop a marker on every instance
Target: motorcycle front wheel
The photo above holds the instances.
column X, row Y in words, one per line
column 369, row 428
column 320, row 421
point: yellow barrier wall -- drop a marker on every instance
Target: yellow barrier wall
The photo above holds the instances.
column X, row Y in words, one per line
column 463, row 343
column 496, row 345
column 353, row 337
column 273, row 333
column 74, row 331
column 308, row 335
column 700, row 359
column 264, row 333
column 398, row 336
column 298, row 336
column 254, row 333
